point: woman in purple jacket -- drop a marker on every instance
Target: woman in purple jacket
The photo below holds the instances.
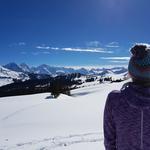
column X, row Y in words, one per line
column 127, row 112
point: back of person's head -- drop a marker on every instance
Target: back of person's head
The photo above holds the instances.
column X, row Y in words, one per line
column 139, row 64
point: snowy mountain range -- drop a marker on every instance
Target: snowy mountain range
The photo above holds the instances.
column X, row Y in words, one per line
column 52, row 70
column 12, row 71
column 8, row 76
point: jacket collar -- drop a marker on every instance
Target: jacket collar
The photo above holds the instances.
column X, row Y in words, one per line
column 136, row 95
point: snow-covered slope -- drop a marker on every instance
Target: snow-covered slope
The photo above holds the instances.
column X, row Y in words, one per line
column 113, row 75
column 7, row 76
column 39, row 122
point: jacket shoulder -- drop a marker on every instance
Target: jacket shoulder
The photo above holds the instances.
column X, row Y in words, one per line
column 114, row 94
column 114, row 98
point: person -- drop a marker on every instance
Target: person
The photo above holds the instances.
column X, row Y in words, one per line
column 126, row 120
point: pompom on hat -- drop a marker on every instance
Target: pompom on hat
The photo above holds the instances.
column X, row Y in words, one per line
column 139, row 64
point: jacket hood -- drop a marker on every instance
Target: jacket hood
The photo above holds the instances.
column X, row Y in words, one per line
column 136, row 95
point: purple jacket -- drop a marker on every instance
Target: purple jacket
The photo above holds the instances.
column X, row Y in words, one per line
column 127, row 119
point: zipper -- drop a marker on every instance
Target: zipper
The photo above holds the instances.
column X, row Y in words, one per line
column 141, row 130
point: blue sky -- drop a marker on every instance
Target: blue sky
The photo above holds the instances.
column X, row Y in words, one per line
column 72, row 32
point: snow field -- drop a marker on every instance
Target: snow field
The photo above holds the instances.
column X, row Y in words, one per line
column 39, row 122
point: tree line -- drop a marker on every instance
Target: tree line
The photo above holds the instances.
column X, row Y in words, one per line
column 55, row 85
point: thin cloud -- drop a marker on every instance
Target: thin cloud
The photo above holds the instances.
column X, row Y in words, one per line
column 17, row 44
column 21, row 43
column 92, row 50
column 38, row 53
column 43, row 47
column 122, row 60
column 54, row 48
column 93, row 44
column 117, row 61
column 113, row 45
column 115, row 58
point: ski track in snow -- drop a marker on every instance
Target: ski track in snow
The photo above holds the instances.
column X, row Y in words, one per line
column 56, row 142
column 32, row 106
column 19, row 111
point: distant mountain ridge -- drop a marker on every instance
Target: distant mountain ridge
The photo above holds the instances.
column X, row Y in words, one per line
column 54, row 71
column 12, row 72
column 8, row 76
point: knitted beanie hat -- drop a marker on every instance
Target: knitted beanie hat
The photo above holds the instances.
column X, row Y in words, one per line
column 139, row 64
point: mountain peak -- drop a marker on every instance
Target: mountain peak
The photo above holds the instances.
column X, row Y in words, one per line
column 25, row 67
column 13, row 66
